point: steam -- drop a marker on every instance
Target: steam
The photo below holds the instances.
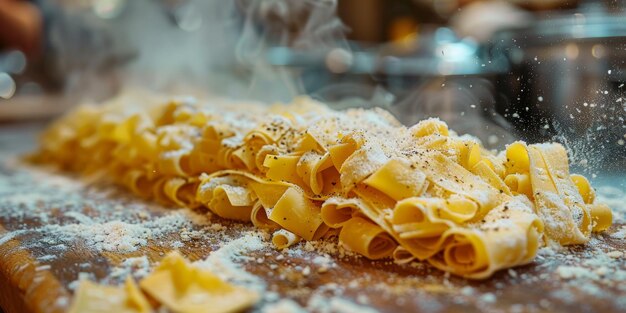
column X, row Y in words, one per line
column 199, row 47
column 466, row 104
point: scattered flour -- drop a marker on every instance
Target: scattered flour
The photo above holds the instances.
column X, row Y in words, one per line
column 283, row 306
column 226, row 261
column 323, row 304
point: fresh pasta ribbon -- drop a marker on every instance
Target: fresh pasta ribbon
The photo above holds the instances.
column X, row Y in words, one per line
column 183, row 287
column 510, row 236
column 556, row 197
column 397, row 179
column 402, row 256
column 227, row 196
column 94, row 298
column 284, row 239
column 584, row 188
column 366, row 238
column 182, row 191
column 336, row 211
column 299, row 215
column 601, row 216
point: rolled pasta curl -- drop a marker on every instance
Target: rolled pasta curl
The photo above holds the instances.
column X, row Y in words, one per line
column 477, row 254
column 217, row 131
column 485, row 170
column 174, row 163
column 339, row 153
column 228, row 157
column 402, row 256
column 517, row 160
column 584, row 188
column 259, row 217
column 299, row 215
column 601, row 216
column 262, row 154
column 158, row 190
column 182, row 191
column 457, row 208
column 366, row 238
column 199, row 160
column 282, row 239
column 308, row 143
column 245, row 155
column 417, row 228
column 227, row 197
column 468, row 152
column 519, row 184
column 310, row 167
column 466, row 255
column 139, row 183
column 352, row 170
column 336, row 211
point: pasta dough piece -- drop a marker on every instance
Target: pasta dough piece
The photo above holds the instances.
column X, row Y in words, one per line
column 366, row 238
column 417, row 227
column 362, row 163
column 227, row 197
column 310, row 167
column 259, row 217
column 182, row 287
column 402, row 256
column 398, row 179
column 182, row 191
column 517, row 158
column 584, row 188
column 336, row 211
column 299, row 215
column 601, row 216
column 519, row 184
column 509, row 237
column 485, row 171
column 282, row 239
column 565, row 224
column 139, row 183
column 555, row 157
column 93, row 298
column 283, row 168
column 341, row 152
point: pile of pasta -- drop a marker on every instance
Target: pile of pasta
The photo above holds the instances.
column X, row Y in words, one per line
column 304, row 171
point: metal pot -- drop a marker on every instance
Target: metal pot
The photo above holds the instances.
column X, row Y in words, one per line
column 567, row 83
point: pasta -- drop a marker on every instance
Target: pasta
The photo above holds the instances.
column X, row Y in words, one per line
column 307, row 172
column 182, row 287
column 93, row 298
column 284, row 239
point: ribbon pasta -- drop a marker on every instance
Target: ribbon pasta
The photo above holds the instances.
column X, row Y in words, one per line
column 307, row 172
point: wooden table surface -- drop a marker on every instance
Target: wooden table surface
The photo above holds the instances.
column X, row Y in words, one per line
column 45, row 248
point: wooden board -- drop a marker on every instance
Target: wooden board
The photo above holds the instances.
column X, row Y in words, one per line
column 44, row 245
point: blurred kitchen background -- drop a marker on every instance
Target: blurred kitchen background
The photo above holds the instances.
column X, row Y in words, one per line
column 535, row 70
